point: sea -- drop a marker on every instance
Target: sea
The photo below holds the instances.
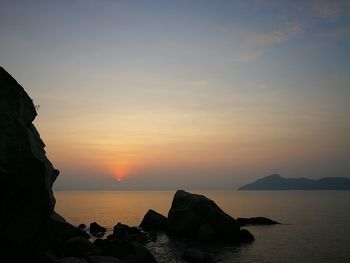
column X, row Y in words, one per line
column 315, row 224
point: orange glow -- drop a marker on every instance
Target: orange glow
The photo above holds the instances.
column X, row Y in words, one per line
column 119, row 171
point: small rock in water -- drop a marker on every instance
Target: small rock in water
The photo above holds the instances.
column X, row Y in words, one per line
column 196, row 256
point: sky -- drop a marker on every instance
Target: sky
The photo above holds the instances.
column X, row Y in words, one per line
column 162, row 95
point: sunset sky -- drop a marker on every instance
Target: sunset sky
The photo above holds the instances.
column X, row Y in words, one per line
column 184, row 94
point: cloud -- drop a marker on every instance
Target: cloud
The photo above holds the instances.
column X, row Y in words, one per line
column 330, row 9
column 256, row 43
column 280, row 35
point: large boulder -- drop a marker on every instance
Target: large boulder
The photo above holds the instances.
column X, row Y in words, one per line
column 190, row 213
column 153, row 220
column 26, row 174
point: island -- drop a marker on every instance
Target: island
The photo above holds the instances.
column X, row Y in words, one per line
column 277, row 182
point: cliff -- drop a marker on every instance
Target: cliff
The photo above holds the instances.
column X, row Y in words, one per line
column 26, row 174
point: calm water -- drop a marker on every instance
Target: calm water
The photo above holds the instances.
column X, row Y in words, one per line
column 316, row 224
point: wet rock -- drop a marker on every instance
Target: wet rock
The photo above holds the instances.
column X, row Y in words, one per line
column 79, row 247
column 127, row 251
column 190, row 211
column 196, row 256
column 97, row 230
column 256, row 221
column 153, row 220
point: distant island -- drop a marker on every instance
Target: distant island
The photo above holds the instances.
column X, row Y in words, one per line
column 277, row 182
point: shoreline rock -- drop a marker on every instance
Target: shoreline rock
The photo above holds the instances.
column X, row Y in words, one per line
column 154, row 220
column 190, row 212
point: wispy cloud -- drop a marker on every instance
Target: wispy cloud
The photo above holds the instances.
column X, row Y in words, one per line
column 277, row 36
column 327, row 9
column 256, row 43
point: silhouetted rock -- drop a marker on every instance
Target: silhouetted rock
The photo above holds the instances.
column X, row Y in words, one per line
column 97, row 230
column 79, row 247
column 127, row 251
column 26, row 175
column 256, row 221
column 196, row 256
column 190, row 211
column 245, row 236
column 153, row 220
column 277, row 182
column 82, row 226
column 206, row 233
column 129, row 233
column 152, row 235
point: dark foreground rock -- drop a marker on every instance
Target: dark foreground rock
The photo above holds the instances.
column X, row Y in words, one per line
column 154, row 220
column 191, row 213
column 256, row 221
column 30, row 229
column 79, row 247
column 26, row 175
column 126, row 251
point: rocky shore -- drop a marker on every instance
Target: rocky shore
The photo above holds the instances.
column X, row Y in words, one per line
column 31, row 231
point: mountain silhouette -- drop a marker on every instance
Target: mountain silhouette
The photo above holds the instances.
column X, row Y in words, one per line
column 277, row 182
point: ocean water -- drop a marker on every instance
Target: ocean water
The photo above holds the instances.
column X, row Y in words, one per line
column 315, row 224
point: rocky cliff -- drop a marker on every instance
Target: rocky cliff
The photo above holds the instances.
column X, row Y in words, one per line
column 26, row 174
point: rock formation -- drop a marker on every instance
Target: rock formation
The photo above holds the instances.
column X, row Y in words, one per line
column 30, row 229
column 153, row 220
column 191, row 213
column 26, row 175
